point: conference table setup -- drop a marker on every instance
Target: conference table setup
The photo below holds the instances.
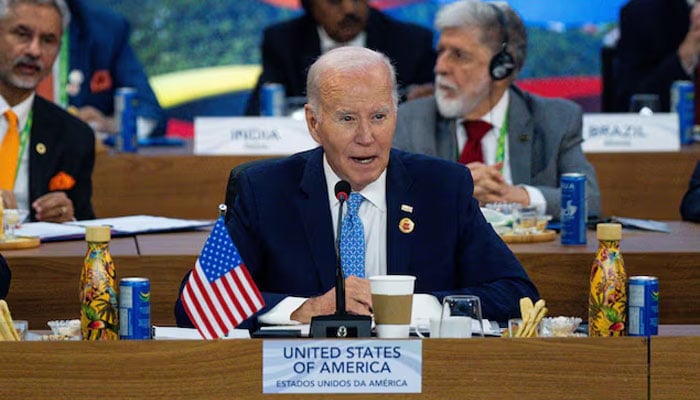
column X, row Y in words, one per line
column 176, row 183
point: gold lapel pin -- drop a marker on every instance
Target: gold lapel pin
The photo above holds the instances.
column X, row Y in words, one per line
column 406, row 208
column 40, row 148
column 406, row 225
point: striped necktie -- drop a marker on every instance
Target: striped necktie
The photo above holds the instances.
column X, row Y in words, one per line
column 352, row 239
column 9, row 153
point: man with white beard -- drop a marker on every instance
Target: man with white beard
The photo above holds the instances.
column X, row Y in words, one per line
column 516, row 145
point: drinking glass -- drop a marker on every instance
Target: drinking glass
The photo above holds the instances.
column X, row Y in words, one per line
column 645, row 103
column 461, row 317
column 11, row 219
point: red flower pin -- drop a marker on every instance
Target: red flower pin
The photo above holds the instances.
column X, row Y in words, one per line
column 101, row 80
column 61, row 181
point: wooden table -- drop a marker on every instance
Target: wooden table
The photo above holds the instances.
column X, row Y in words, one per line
column 674, row 372
column 45, row 280
column 562, row 273
column 175, row 183
column 586, row 368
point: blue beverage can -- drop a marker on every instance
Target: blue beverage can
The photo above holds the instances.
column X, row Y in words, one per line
column 134, row 308
column 125, row 104
column 683, row 103
column 573, row 208
column 643, row 306
column 272, row 98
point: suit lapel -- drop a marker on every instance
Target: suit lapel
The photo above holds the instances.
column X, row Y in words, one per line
column 42, row 149
column 398, row 183
column 520, row 138
column 314, row 209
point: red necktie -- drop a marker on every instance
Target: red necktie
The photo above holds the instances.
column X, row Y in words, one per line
column 472, row 149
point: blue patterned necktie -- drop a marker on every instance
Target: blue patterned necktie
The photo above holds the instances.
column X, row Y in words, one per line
column 352, row 239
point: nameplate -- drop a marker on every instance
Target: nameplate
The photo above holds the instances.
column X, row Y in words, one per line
column 342, row 366
column 630, row 132
column 250, row 136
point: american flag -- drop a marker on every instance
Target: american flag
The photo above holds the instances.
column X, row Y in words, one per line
column 220, row 294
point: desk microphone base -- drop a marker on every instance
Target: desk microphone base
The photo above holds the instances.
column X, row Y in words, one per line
column 341, row 326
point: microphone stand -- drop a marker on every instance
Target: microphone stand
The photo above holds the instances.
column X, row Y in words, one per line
column 341, row 324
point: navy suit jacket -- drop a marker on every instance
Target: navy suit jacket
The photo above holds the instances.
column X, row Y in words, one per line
column 647, row 58
column 690, row 205
column 5, row 277
column 290, row 47
column 60, row 142
column 99, row 41
column 282, row 226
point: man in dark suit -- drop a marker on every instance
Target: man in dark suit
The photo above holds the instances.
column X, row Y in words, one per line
column 283, row 218
column 289, row 48
column 690, row 205
column 659, row 44
column 515, row 144
column 49, row 171
column 5, row 277
column 102, row 60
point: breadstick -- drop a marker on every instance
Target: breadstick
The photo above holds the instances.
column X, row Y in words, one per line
column 532, row 328
column 7, row 327
column 528, row 314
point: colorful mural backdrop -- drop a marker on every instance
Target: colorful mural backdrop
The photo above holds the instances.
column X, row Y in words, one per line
column 203, row 55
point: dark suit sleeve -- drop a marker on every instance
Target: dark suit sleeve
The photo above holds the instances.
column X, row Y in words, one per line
column 5, row 277
column 485, row 266
column 690, row 205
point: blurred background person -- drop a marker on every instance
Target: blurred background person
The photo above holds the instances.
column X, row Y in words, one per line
column 516, row 145
column 5, row 277
column 288, row 48
column 100, row 60
column 690, row 205
column 46, row 154
column 659, row 44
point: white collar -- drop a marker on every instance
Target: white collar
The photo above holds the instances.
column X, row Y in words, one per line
column 497, row 115
column 328, row 44
column 21, row 110
column 375, row 192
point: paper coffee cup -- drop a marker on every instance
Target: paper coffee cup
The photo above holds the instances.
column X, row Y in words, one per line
column 392, row 300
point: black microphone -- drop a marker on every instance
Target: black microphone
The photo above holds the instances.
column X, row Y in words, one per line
column 342, row 193
column 341, row 324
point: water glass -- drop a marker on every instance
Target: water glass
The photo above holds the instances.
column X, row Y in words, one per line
column 461, row 317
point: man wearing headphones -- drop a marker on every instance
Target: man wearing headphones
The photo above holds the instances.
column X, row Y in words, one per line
column 516, row 145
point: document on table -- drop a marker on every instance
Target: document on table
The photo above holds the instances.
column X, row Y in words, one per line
column 170, row 333
column 121, row 226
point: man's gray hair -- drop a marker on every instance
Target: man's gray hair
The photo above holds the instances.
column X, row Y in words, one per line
column 60, row 5
column 345, row 59
column 474, row 13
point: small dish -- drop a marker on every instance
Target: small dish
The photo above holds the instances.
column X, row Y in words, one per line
column 560, row 326
column 67, row 328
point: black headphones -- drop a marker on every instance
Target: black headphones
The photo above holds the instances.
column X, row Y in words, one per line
column 502, row 64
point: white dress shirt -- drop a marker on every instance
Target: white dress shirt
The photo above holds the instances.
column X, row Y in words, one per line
column 489, row 145
column 328, row 44
column 373, row 213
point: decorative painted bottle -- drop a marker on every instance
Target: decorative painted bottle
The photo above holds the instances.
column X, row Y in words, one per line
column 99, row 310
column 607, row 303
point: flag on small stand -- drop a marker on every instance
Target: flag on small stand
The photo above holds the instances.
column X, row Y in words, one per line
column 220, row 293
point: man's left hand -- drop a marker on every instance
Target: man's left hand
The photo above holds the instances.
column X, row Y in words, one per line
column 54, row 207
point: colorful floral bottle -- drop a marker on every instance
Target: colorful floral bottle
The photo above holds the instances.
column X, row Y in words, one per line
column 99, row 310
column 607, row 304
